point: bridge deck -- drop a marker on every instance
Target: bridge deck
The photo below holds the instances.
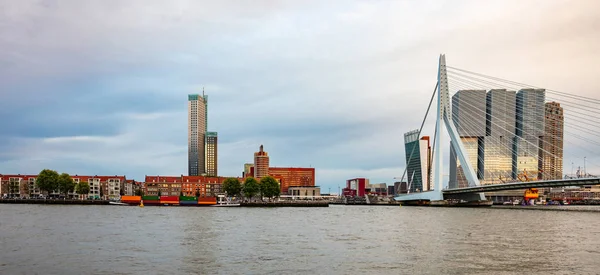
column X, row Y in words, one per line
column 524, row 185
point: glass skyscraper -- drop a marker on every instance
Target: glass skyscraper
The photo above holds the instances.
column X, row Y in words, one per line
column 469, row 116
column 529, row 131
column 418, row 159
column 500, row 130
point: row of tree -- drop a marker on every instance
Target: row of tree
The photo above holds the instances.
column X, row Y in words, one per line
column 267, row 187
column 49, row 181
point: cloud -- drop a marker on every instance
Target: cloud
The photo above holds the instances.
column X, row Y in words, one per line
column 100, row 87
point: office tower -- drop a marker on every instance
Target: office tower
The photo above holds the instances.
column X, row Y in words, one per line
column 211, row 154
column 197, row 118
column 469, row 116
column 529, row 126
column 261, row 163
column 293, row 177
column 500, row 130
column 551, row 155
column 418, row 160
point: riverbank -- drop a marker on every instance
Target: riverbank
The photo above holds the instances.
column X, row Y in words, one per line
column 286, row 204
column 68, row 202
column 549, row 208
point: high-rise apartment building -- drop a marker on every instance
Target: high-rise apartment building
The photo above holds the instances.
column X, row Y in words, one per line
column 529, row 130
column 469, row 116
column 211, row 154
column 418, row 161
column 261, row 163
column 197, row 123
column 551, row 155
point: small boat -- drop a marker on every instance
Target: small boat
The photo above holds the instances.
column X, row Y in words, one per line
column 117, row 203
column 225, row 202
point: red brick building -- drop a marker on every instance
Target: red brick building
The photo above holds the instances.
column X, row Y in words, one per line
column 188, row 185
column 167, row 185
column 290, row 176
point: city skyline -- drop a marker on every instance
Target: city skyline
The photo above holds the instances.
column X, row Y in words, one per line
column 107, row 97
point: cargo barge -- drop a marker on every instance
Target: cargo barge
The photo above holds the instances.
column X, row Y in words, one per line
column 169, row 200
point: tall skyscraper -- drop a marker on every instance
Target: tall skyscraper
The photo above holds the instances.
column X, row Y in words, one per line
column 418, row 160
column 469, row 116
column 261, row 163
column 197, row 122
column 551, row 155
column 211, row 154
column 529, row 130
column 500, row 130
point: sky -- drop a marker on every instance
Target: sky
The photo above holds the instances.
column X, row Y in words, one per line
column 100, row 87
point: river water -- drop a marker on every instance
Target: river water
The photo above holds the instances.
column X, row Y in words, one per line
column 44, row 239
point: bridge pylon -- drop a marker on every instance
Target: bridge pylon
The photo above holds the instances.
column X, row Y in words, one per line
column 444, row 120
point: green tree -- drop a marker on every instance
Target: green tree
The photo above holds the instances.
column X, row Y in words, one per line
column 197, row 193
column 251, row 187
column 139, row 192
column 232, row 187
column 269, row 187
column 82, row 188
column 65, row 183
column 159, row 193
column 47, row 180
column 101, row 192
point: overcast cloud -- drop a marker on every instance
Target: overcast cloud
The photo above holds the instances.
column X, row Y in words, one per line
column 100, row 87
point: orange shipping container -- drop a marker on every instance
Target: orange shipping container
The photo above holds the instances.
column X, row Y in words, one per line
column 207, row 201
column 131, row 199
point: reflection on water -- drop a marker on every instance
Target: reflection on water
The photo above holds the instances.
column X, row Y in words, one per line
column 336, row 240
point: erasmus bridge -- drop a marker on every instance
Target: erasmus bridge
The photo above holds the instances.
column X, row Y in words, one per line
column 581, row 129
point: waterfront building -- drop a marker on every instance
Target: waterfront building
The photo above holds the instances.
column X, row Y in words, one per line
column 261, row 163
column 380, row 189
column 469, row 117
column 551, row 155
column 211, row 154
column 203, row 186
column 293, row 176
column 197, row 125
column 500, row 131
column 101, row 187
column 289, row 176
column 163, row 185
column 530, row 113
column 356, row 187
column 18, row 185
column 304, row 191
column 418, row 159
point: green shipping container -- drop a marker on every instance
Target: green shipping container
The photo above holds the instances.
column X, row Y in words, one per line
column 150, row 198
column 184, row 198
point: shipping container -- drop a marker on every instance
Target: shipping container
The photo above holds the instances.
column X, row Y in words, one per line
column 207, row 201
column 188, row 203
column 131, row 199
column 150, row 198
column 173, row 200
column 151, row 202
column 186, row 198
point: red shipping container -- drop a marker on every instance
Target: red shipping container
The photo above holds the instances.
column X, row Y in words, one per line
column 169, row 199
